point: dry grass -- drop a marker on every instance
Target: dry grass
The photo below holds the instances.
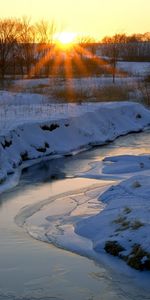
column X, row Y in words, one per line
column 136, row 225
column 97, row 94
column 127, row 210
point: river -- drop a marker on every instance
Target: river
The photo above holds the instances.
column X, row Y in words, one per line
column 30, row 269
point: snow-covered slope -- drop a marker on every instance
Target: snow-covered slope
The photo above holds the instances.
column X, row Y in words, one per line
column 122, row 228
column 32, row 141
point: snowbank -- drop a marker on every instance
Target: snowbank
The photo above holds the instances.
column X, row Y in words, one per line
column 21, row 108
column 31, row 141
column 122, row 228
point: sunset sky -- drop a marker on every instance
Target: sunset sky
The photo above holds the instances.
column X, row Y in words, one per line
column 96, row 18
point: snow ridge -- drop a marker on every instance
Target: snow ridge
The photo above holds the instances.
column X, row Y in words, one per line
column 34, row 141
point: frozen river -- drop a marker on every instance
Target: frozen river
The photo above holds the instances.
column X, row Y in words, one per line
column 30, row 269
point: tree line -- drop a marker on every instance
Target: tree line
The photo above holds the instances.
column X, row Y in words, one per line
column 133, row 47
column 22, row 44
column 25, row 45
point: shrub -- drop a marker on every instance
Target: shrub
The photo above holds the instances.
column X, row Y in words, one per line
column 139, row 258
column 113, row 248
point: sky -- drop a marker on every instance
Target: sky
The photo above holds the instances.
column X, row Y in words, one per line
column 95, row 18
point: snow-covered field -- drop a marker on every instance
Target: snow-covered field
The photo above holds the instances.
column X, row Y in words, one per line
column 21, row 108
column 35, row 100
column 135, row 68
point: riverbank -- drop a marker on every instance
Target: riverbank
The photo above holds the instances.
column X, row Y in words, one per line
column 32, row 143
column 53, row 272
column 114, row 212
column 29, row 142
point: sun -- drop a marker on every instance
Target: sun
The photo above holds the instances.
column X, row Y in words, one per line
column 65, row 39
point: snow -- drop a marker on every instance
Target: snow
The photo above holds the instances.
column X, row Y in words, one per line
column 126, row 164
column 102, row 124
column 135, row 68
column 84, row 219
column 125, row 219
column 35, row 100
column 22, row 108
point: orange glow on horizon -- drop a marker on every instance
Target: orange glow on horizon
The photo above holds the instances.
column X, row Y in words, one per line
column 97, row 18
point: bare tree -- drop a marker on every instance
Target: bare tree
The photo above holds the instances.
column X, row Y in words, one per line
column 86, row 43
column 8, row 41
column 112, row 49
column 45, row 43
column 45, row 32
column 26, row 44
